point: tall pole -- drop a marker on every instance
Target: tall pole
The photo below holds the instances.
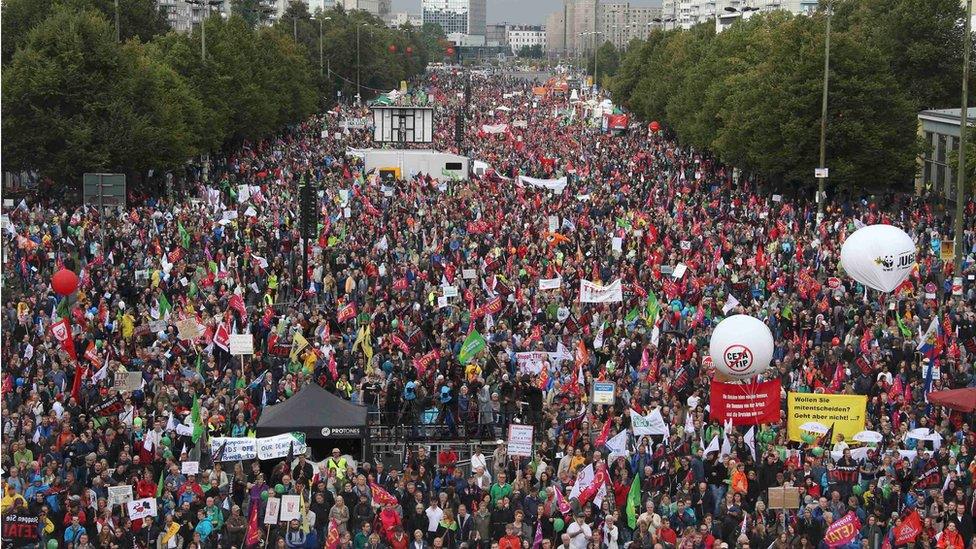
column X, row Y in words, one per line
column 596, row 59
column 118, row 31
column 963, row 126
column 822, row 180
column 358, row 87
column 203, row 31
column 321, row 51
column 294, row 23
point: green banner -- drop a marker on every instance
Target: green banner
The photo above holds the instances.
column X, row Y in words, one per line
column 472, row 345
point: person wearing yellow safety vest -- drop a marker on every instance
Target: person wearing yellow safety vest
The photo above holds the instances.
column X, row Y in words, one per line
column 272, row 286
column 338, row 463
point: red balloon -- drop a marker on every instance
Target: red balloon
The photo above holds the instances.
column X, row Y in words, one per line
column 655, row 126
column 835, row 341
column 392, row 48
column 450, row 51
column 64, row 282
column 409, row 49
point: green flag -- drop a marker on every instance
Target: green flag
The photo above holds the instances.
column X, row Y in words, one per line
column 199, row 366
column 634, row 502
column 164, row 305
column 472, row 345
column 788, row 311
column 632, row 315
column 905, row 331
column 653, row 307
column 185, row 236
column 195, row 418
column 161, row 484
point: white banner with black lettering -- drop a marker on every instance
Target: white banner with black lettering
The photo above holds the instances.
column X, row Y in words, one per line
column 591, row 292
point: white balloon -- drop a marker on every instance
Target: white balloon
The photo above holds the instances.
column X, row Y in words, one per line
column 879, row 256
column 741, row 346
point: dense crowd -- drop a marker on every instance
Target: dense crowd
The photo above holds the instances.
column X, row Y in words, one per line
column 227, row 252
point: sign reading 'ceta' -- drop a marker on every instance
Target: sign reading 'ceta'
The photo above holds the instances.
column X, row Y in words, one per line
column 842, row 531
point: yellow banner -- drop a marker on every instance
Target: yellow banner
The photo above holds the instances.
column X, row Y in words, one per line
column 845, row 412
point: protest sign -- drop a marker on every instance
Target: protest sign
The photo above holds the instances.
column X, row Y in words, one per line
column 108, row 407
column 128, row 381
column 550, row 283
column 278, row 445
column 603, row 392
column 271, row 511
column 745, row 404
column 141, row 508
column 845, row 412
column 531, row 362
column 591, row 292
column 520, row 440
column 241, row 344
column 119, row 495
column 290, row 508
column 468, row 274
column 233, row 448
column 784, row 497
column 651, row 424
column 189, row 329
column 450, row 291
column 842, row 531
column 190, row 467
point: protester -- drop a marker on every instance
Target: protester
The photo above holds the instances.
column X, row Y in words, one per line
column 226, row 252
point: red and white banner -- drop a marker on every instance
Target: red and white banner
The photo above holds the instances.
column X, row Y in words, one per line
column 591, row 292
column 909, row 529
column 746, row 404
column 347, row 312
column 842, row 531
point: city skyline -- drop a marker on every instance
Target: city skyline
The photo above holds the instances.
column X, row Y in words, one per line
column 533, row 12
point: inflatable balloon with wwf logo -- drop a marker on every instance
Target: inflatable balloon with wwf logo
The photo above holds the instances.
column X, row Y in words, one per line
column 880, row 257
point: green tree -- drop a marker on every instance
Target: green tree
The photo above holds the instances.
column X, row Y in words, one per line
column 253, row 12
column 531, row 52
column 74, row 101
column 607, row 60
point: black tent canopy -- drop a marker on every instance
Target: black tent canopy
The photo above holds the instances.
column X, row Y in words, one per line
column 317, row 413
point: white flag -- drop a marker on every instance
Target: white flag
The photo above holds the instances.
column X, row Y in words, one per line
column 141, row 508
column 618, row 445
column 712, row 446
column 750, row 440
column 730, row 303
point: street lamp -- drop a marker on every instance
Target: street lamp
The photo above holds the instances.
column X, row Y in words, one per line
column 664, row 21
column 321, row 50
column 359, row 90
column 203, row 22
column 822, row 172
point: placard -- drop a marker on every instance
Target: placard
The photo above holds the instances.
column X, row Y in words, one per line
column 957, row 285
column 550, row 283
column 441, row 301
column 141, row 508
column 189, row 329
column 241, row 344
column 156, row 326
column 290, row 508
column 617, row 244
column 450, row 291
column 784, row 497
column 553, row 223
column 468, row 274
column 948, row 250
column 271, row 511
column 603, row 392
column 679, row 271
column 19, row 527
column 591, row 292
column 128, row 381
column 531, row 362
column 520, row 440
column 845, row 412
column 119, row 495
column 190, row 467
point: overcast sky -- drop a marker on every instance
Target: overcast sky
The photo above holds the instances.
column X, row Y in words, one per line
column 513, row 11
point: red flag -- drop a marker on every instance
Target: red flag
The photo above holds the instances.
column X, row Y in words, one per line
column 381, row 496
column 221, row 337
column 62, row 332
column 76, row 384
column 346, row 312
column 253, row 536
column 399, row 342
column 237, row 303
column 332, row 539
column 90, row 353
column 601, row 440
column 333, row 369
column 909, row 529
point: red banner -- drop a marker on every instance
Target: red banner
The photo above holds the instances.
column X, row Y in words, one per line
column 62, row 332
column 909, row 529
column 746, row 404
column 842, row 531
column 617, row 121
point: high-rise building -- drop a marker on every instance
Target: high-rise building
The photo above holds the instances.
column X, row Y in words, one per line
column 582, row 25
column 466, row 17
column 687, row 13
column 495, row 34
column 379, row 8
column 525, row 36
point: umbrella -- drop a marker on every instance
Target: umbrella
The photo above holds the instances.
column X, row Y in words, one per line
column 814, row 427
column 963, row 400
column 867, row 437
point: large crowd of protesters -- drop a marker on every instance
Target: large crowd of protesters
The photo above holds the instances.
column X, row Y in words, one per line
column 227, row 252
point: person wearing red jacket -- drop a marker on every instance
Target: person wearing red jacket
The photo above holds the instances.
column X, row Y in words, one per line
column 951, row 538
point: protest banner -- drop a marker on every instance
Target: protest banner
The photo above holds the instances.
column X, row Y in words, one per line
column 845, row 412
column 520, row 440
column 19, row 527
column 472, row 345
column 108, row 407
column 290, row 508
column 554, row 185
column 550, row 283
column 233, row 448
column 745, row 404
column 591, row 292
column 119, row 495
column 271, row 511
column 279, row 445
column 531, row 362
column 141, row 508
